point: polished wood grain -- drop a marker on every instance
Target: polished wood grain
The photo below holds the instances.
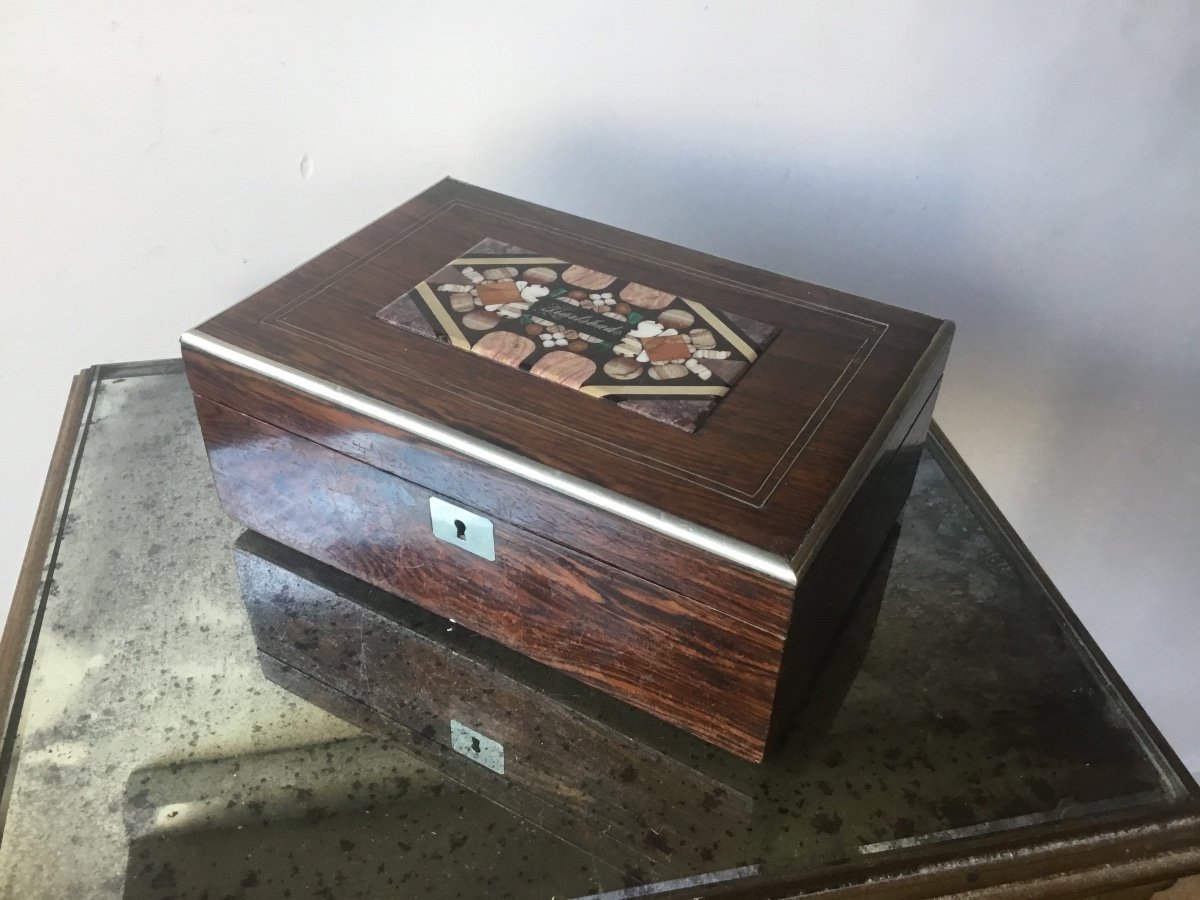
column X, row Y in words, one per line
column 847, row 556
column 740, row 592
column 746, row 595
column 809, row 460
column 687, row 662
column 762, row 469
column 662, row 652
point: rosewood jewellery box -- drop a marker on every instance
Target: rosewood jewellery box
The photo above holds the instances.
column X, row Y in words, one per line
column 662, row 473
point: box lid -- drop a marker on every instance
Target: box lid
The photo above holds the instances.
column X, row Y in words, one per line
column 725, row 407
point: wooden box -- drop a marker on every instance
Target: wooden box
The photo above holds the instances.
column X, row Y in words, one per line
column 657, row 471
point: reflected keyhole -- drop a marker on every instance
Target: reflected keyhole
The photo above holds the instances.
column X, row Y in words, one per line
column 475, row 748
column 461, row 527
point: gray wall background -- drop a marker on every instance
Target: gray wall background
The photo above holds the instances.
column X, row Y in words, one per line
column 1030, row 170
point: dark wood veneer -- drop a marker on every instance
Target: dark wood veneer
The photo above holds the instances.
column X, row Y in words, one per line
column 659, row 651
column 690, row 664
column 807, row 461
column 743, row 593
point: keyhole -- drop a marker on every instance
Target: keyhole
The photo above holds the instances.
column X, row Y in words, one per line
column 461, row 527
column 475, row 748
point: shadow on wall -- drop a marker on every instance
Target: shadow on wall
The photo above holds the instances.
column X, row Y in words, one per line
column 769, row 212
column 910, row 242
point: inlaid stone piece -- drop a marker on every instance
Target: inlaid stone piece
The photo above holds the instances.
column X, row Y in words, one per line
column 503, row 273
column 728, row 370
column 622, row 369
column 668, row 372
column 646, row 297
column 587, row 278
column 493, row 292
column 481, row 320
column 540, row 275
column 406, row 314
column 510, row 349
column 679, row 319
column 666, row 349
column 564, row 367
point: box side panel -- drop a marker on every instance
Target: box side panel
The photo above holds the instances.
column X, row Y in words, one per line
column 682, row 662
column 831, row 583
column 761, row 602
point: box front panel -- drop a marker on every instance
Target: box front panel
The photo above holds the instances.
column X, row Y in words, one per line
column 661, row 652
column 704, row 577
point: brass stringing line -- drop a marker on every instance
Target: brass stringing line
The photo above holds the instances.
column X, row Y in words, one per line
column 457, row 338
column 506, row 260
column 705, row 313
column 599, row 390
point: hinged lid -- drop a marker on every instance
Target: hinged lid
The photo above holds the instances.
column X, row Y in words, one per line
column 728, row 408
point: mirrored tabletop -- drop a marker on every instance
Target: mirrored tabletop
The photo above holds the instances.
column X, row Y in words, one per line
column 200, row 712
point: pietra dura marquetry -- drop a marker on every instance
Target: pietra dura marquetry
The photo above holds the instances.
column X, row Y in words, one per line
column 657, row 471
column 664, row 356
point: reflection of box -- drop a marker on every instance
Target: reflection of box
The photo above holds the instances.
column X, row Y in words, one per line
column 349, row 818
column 394, row 669
column 584, row 765
column 659, row 480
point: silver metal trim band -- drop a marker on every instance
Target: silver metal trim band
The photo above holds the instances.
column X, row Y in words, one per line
column 745, row 555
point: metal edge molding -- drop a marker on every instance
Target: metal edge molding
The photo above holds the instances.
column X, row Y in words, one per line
column 746, row 555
